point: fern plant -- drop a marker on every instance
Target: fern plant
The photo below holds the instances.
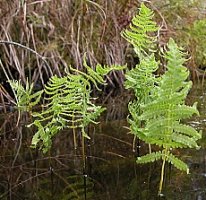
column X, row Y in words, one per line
column 69, row 104
column 158, row 109
column 162, row 116
column 25, row 97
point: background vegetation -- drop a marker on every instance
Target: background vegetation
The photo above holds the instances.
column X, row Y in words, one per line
column 62, row 31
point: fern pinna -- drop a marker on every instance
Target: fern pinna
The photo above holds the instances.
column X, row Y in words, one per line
column 69, row 104
column 25, row 97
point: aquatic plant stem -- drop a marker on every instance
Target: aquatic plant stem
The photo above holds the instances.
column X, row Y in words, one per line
column 162, row 177
column 75, row 139
column 84, row 167
column 133, row 143
column 150, row 148
column 74, row 133
column 83, row 152
column 162, row 171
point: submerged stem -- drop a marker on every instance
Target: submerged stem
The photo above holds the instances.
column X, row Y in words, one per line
column 84, row 167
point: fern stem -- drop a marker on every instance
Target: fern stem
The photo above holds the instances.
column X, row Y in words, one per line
column 83, row 153
column 150, row 148
column 84, row 168
column 133, row 143
column 74, row 134
column 162, row 172
column 75, row 139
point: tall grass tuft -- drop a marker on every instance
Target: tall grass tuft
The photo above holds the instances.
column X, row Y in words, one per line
column 61, row 32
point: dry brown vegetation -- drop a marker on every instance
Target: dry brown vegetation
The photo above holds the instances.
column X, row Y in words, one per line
column 57, row 33
column 61, row 32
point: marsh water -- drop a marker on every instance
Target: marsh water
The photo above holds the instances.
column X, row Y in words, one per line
column 111, row 172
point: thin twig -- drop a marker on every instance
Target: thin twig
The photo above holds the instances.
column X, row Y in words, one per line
column 27, row 48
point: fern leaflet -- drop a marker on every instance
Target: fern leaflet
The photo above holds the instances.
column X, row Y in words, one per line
column 177, row 163
column 149, row 157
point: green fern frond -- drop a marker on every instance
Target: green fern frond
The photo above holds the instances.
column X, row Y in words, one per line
column 175, row 99
column 69, row 104
column 141, row 29
column 166, row 108
column 157, row 120
column 159, row 107
column 96, row 76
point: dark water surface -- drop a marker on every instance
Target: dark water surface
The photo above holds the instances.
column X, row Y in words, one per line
column 111, row 172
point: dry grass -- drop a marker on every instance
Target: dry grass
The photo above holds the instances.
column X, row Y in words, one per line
column 60, row 31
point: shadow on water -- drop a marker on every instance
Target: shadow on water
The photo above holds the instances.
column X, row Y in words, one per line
column 111, row 172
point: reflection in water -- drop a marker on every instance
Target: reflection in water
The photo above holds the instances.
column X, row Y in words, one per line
column 111, row 172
